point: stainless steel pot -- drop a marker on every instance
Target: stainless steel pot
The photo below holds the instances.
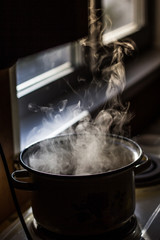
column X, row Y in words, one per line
column 82, row 205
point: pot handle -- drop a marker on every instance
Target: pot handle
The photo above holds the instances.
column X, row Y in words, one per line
column 24, row 185
column 144, row 163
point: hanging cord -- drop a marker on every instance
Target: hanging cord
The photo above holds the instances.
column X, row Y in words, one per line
column 14, row 194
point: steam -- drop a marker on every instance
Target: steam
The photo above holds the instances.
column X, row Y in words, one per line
column 87, row 150
column 57, row 119
column 83, row 155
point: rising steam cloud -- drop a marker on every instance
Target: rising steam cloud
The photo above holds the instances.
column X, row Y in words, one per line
column 88, row 151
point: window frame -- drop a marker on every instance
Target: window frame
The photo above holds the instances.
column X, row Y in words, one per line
column 143, row 37
column 147, row 33
column 142, row 72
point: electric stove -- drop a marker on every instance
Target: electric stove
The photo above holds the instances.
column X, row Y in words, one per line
column 144, row 224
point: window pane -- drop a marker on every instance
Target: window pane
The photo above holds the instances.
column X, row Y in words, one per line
column 120, row 12
column 39, row 83
column 34, row 65
column 122, row 18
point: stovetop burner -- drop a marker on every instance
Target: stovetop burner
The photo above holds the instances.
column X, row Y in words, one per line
column 151, row 176
column 129, row 231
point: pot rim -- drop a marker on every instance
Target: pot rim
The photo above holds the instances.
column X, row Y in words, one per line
column 61, row 176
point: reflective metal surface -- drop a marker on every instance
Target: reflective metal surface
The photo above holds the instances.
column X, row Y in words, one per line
column 147, row 205
column 148, row 198
column 148, row 211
